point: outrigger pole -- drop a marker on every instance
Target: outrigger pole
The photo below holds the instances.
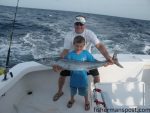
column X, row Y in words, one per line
column 10, row 42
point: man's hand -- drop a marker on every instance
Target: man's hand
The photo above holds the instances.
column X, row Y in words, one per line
column 109, row 62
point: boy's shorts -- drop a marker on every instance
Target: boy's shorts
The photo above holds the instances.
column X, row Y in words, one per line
column 81, row 91
column 93, row 72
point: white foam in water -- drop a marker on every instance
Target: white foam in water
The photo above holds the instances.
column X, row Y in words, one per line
column 107, row 41
column 25, row 38
column 134, row 37
column 3, row 49
column 119, row 48
column 146, row 49
column 45, row 24
column 39, row 47
column 36, row 45
column 15, row 47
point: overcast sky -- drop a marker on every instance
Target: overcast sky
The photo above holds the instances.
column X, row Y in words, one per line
column 139, row 9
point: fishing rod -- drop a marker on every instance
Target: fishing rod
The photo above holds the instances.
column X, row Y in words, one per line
column 10, row 42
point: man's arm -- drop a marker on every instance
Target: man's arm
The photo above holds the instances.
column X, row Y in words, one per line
column 104, row 52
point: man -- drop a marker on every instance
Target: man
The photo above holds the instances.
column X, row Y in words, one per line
column 90, row 39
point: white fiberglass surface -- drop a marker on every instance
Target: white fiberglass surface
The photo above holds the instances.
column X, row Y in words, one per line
column 43, row 86
column 34, row 93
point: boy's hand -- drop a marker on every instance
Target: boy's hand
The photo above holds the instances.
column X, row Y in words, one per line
column 57, row 68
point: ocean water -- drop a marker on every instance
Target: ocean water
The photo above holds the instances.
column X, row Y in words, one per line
column 40, row 33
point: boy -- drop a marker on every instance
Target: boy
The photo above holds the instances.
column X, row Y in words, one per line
column 79, row 79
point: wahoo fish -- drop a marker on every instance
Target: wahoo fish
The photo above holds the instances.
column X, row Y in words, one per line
column 78, row 65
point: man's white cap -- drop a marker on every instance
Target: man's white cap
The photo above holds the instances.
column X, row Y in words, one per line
column 80, row 19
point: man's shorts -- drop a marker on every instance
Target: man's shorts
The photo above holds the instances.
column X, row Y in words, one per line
column 93, row 72
column 81, row 91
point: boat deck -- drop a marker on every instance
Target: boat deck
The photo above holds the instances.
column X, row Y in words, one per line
column 43, row 85
column 40, row 101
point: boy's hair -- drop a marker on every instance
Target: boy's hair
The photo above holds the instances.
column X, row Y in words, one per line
column 79, row 39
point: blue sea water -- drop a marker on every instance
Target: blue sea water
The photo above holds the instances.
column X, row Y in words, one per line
column 40, row 33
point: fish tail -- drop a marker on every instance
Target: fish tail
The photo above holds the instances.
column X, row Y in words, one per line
column 115, row 59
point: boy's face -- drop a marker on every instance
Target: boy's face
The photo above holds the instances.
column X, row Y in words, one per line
column 79, row 47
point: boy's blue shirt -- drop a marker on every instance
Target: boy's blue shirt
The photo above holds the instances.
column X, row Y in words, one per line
column 79, row 78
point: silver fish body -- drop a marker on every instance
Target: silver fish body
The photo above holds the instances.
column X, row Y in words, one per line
column 78, row 65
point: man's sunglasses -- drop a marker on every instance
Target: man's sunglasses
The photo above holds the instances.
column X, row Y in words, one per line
column 79, row 24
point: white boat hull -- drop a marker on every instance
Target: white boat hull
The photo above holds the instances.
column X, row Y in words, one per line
column 33, row 86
